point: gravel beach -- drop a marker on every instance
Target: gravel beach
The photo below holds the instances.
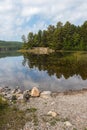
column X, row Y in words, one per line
column 45, row 110
column 70, row 109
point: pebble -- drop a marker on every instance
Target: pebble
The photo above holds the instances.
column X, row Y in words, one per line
column 68, row 124
column 52, row 113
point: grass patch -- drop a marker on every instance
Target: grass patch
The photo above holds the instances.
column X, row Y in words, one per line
column 64, row 119
column 51, row 120
column 31, row 109
column 74, row 129
column 52, row 123
column 32, row 115
column 3, row 104
column 11, row 118
column 35, row 119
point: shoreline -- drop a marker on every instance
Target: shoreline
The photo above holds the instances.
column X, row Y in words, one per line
column 71, row 92
column 65, row 92
column 48, row 110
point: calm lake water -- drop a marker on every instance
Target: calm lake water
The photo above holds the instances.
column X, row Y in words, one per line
column 55, row 72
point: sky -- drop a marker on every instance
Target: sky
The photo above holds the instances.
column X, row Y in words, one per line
column 18, row 17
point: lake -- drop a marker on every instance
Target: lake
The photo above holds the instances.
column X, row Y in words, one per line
column 56, row 72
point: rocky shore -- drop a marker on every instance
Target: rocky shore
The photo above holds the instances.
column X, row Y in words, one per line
column 38, row 50
column 46, row 110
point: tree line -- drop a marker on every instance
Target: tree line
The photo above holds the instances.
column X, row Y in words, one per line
column 59, row 37
column 10, row 45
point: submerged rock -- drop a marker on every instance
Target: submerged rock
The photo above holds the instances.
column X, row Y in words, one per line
column 35, row 92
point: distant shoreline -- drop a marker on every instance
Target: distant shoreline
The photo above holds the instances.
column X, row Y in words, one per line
column 44, row 50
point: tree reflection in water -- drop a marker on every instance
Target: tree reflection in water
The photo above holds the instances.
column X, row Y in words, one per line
column 60, row 63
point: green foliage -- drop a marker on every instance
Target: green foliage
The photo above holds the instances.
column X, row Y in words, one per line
column 31, row 109
column 11, row 118
column 59, row 37
column 74, row 129
column 3, row 104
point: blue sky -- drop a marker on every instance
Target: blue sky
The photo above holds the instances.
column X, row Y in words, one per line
column 18, row 17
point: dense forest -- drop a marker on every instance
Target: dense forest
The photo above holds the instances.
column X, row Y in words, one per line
column 59, row 37
column 10, row 45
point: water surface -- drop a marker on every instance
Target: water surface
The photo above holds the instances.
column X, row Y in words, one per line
column 55, row 72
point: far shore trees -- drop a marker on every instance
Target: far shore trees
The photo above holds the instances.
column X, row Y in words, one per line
column 59, row 37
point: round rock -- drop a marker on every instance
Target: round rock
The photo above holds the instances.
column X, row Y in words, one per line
column 35, row 92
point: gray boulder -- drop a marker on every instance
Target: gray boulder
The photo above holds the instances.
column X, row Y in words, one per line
column 26, row 95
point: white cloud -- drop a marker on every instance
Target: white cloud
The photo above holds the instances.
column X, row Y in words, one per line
column 5, row 5
column 17, row 17
column 29, row 11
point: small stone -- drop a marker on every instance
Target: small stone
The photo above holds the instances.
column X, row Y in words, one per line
column 3, row 93
column 5, row 89
column 46, row 94
column 52, row 113
column 19, row 96
column 13, row 91
column 14, row 98
column 67, row 123
column 35, row 92
column 18, row 91
column 52, row 103
column 8, row 96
